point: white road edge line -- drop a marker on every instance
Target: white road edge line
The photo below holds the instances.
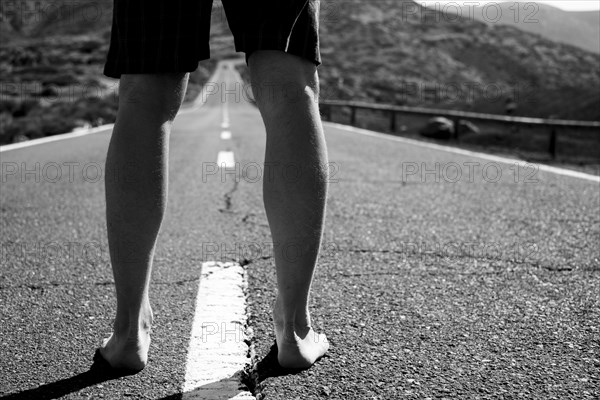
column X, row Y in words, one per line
column 198, row 102
column 55, row 138
column 225, row 159
column 218, row 352
column 505, row 160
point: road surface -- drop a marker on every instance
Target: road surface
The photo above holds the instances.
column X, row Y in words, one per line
column 442, row 275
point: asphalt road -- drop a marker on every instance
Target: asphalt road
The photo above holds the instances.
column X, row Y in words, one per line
column 442, row 275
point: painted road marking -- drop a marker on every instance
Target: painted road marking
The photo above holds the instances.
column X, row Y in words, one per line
column 226, row 135
column 207, row 89
column 198, row 102
column 505, row 160
column 225, row 159
column 218, row 352
column 225, row 123
column 55, row 138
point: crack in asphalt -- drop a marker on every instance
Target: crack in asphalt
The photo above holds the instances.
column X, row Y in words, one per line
column 248, row 261
column 228, row 198
column 51, row 285
column 535, row 264
column 250, row 376
column 245, row 220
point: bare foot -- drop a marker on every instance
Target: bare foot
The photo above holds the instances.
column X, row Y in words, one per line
column 128, row 350
column 298, row 345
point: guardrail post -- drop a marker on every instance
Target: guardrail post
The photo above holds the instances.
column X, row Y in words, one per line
column 456, row 127
column 392, row 121
column 352, row 115
column 552, row 146
column 327, row 112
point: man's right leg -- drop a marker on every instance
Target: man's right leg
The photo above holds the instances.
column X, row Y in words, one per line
column 136, row 197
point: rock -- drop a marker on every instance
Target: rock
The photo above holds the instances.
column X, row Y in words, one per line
column 467, row 127
column 325, row 390
column 20, row 138
column 438, row 128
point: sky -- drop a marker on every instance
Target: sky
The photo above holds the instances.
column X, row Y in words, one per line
column 569, row 5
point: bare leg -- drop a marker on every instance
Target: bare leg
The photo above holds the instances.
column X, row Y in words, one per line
column 295, row 191
column 136, row 197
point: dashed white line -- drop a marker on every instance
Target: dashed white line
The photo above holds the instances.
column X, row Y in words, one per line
column 218, row 352
column 226, row 135
column 225, row 159
column 206, row 91
column 505, row 160
column 225, row 123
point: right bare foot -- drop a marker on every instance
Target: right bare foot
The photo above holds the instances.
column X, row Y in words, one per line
column 126, row 353
column 298, row 345
column 128, row 349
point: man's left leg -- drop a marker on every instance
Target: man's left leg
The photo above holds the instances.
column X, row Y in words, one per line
column 286, row 91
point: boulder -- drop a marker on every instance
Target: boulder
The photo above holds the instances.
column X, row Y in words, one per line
column 438, row 128
column 467, row 127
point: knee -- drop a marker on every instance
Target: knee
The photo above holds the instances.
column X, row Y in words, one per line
column 286, row 98
column 283, row 82
column 156, row 95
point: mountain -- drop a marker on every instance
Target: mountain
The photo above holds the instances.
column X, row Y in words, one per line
column 42, row 18
column 387, row 51
column 580, row 29
column 398, row 52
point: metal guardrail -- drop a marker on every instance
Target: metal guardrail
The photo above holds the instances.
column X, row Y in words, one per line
column 456, row 116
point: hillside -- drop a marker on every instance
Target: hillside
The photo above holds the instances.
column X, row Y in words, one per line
column 580, row 29
column 387, row 51
column 51, row 60
column 397, row 52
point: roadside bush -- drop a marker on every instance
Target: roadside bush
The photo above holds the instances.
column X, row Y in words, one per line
column 92, row 108
column 32, row 120
column 18, row 108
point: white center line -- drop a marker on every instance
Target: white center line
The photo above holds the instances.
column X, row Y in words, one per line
column 226, row 135
column 218, row 352
column 225, row 123
column 225, row 159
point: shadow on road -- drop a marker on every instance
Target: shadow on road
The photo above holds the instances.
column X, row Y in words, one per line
column 222, row 390
column 269, row 367
column 225, row 389
column 99, row 372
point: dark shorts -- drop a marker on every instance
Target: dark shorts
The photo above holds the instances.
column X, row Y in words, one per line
column 166, row 36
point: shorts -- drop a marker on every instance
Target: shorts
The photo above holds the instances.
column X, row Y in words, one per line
column 161, row 36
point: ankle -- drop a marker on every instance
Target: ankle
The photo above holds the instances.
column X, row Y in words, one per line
column 295, row 318
column 134, row 323
column 144, row 323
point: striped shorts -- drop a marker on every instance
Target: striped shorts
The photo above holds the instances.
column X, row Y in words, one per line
column 167, row 36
